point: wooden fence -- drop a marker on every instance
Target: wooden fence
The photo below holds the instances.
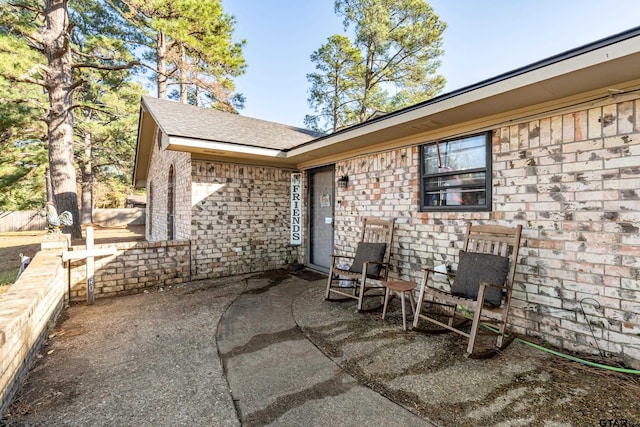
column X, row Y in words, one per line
column 22, row 221
column 32, row 220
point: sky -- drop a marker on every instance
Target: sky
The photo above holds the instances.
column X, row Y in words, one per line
column 483, row 39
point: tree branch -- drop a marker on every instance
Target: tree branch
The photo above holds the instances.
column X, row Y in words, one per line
column 75, row 86
column 89, row 107
column 94, row 108
column 126, row 66
column 26, row 7
column 27, row 79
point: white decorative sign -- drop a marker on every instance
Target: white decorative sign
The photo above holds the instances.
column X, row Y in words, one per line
column 296, row 209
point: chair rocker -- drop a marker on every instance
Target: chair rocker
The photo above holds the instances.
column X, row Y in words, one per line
column 481, row 288
column 354, row 277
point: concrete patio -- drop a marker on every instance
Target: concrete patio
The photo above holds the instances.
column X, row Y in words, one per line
column 267, row 350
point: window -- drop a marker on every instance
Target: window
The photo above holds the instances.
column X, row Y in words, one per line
column 150, row 217
column 456, row 174
column 171, row 204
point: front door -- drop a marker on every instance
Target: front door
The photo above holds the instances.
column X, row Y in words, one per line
column 321, row 199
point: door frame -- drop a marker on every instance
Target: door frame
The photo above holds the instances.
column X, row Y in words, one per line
column 310, row 194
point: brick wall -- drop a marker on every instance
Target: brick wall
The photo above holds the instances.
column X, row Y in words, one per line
column 572, row 181
column 136, row 266
column 240, row 219
column 27, row 310
column 157, row 201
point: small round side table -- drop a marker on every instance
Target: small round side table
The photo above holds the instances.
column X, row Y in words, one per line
column 401, row 288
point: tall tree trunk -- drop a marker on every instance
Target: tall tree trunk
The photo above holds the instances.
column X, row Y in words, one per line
column 47, row 182
column 183, row 75
column 59, row 81
column 87, row 180
column 161, row 54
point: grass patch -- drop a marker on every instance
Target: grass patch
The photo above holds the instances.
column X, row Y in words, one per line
column 11, row 245
column 7, row 277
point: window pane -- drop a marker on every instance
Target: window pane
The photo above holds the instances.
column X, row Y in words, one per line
column 457, row 180
column 461, row 154
column 457, row 197
column 455, row 174
column 431, row 160
column 455, row 190
column 472, row 178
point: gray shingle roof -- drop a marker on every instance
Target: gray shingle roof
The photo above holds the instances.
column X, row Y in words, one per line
column 189, row 121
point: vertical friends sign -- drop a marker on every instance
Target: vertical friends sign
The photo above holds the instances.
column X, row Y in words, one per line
column 296, row 209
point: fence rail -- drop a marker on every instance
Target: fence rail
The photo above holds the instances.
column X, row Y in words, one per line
column 12, row 221
column 22, row 221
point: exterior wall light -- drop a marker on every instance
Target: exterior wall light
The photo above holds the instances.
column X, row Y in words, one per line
column 343, row 181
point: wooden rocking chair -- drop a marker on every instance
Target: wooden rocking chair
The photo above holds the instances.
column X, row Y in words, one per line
column 481, row 288
column 352, row 276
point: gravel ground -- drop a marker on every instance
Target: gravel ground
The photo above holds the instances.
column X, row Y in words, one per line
column 142, row 360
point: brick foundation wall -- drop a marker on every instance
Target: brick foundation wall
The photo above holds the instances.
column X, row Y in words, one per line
column 572, row 181
column 240, row 219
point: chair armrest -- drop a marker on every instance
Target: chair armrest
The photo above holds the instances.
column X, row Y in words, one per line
column 431, row 270
column 483, row 285
column 334, row 256
column 493, row 285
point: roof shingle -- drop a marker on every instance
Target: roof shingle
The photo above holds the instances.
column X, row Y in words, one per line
column 193, row 122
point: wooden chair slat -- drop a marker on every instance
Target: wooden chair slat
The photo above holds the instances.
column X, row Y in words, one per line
column 374, row 230
column 482, row 238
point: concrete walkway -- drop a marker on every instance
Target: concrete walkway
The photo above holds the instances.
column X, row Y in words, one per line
column 267, row 350
column 278, row 377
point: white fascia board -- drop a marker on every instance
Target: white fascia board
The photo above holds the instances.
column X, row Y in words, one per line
column 187, row 144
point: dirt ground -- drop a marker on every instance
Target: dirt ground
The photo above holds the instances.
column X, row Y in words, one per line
column 28, row 243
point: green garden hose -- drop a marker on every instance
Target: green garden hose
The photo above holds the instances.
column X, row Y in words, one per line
column 566, row 356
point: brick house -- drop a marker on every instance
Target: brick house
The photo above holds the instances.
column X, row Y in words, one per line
column 554, row 146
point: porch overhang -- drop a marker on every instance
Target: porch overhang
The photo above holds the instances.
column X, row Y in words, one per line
column 554, row 84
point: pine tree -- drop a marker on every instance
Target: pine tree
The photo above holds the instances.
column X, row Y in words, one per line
column 334, row 87
column 399, row 43
column 190, row 46
column 48, row 30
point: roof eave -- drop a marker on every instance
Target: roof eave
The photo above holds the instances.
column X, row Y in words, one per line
column 144, row 145
column 217, row 148
column 597, row 68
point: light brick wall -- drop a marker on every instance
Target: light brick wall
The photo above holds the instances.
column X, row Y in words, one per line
column 161, row 162
column 240, row 219
column 27, row 310
column 572, row 181
column 135, row 267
